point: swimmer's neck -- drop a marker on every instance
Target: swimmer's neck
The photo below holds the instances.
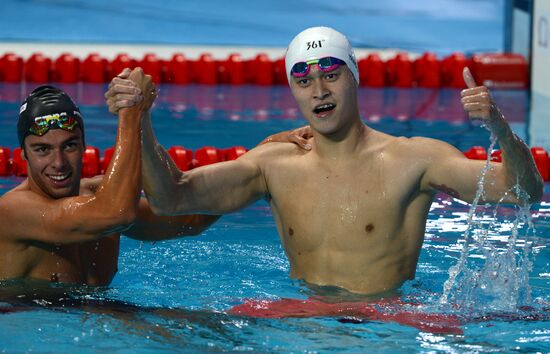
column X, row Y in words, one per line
column 344, row 143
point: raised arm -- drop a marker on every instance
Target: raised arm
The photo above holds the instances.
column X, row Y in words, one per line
column 83, row 218
column 162, row 179
column 450, row 171
column 218, row 188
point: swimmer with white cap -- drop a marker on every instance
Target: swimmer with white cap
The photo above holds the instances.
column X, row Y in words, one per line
column 351, row 212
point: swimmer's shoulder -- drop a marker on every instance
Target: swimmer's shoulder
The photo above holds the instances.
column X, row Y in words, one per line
column 273, row 151
column 419, row 147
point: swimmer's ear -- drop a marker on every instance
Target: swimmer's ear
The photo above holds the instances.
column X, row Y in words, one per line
column 468, row 78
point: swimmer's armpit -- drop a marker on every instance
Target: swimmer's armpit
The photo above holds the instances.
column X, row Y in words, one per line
column 445, row 189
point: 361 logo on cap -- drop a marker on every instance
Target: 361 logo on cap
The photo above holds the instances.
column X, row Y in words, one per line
column 315, row 44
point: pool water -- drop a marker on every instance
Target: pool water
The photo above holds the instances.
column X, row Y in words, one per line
column 173, row 295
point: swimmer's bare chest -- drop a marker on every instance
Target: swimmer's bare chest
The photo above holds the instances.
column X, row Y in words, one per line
column 347, row 217
column 56, row 263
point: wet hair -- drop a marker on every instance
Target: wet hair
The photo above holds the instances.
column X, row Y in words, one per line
column 45, row 100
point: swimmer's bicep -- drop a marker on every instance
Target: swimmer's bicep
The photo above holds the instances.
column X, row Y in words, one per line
column 221, row 188
column 66, row 220
column 450, row 172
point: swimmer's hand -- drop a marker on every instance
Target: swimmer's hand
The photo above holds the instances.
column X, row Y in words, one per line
column 123, row 92
column 297, row 136
column 148, row 90
column 478, row 103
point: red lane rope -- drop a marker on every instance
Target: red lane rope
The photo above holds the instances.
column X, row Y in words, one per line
column 494, row 70
column 94, row 164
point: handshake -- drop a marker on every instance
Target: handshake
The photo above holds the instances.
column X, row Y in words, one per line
column 131, row 89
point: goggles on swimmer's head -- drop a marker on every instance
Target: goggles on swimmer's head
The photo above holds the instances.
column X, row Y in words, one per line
column 325, row 64
column 43, row 124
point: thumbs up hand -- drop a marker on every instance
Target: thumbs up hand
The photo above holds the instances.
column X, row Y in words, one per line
column 476, row 100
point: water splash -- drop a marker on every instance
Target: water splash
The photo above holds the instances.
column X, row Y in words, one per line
column 487, row 277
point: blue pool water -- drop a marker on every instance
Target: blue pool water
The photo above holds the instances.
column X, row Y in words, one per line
column 181, row 289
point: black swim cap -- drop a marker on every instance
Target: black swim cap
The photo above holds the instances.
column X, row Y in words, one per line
column 45, row 100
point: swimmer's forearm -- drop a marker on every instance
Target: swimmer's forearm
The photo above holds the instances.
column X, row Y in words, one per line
column 120, row 188
column 159, row 172
column 517, row 160
column 150, row 227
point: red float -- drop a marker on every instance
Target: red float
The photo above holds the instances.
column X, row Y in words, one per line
column 38, row 69
column 235, row 69
column 206, row 156
column 19, row 165
column 152, row 65
column 279, row 70
column 399, row 71
column 5, row 154
column 372, row 71
column 496, row 156
column 182, row 157
column 90, row 162
column 233, row 153
column 66, row 69
column 451, row 70
column 501, row 70
column 178, row 70
column 205, row 70
column 121, row 62
column 476, row 153
column 427, row 71
column 263, row 70
column 11, row 68
column 94, row 69
column 542, row 161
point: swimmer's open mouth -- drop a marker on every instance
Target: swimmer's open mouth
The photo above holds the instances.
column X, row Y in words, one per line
column 327, row 107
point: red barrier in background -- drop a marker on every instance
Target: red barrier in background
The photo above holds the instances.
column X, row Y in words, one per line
column 451, row 70
column 235, row 69
column 93, row 164
column 501, row 70
column 153, row 66
column 94, row 69
column 38, row 68
column 66, row 69
column 493, row 70
column 11, row 68
column 205, row 70
column 399, row 71
column 372, row 71
column 177, row 70
column 118, row 64
column 427, row 71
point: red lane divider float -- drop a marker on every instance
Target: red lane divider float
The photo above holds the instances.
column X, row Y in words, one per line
column 493, row 70
column 93, row 164
column 541, row 157
column 185, row 159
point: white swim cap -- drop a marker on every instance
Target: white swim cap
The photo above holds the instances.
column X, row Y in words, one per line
column 319, row 42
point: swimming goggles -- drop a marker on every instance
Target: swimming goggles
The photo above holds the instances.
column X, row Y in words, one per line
column 42, row 125
column 325, row 64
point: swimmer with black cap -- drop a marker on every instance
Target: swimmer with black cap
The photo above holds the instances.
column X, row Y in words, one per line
column 48, row 107
column 351, row 212
column 59, row 229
